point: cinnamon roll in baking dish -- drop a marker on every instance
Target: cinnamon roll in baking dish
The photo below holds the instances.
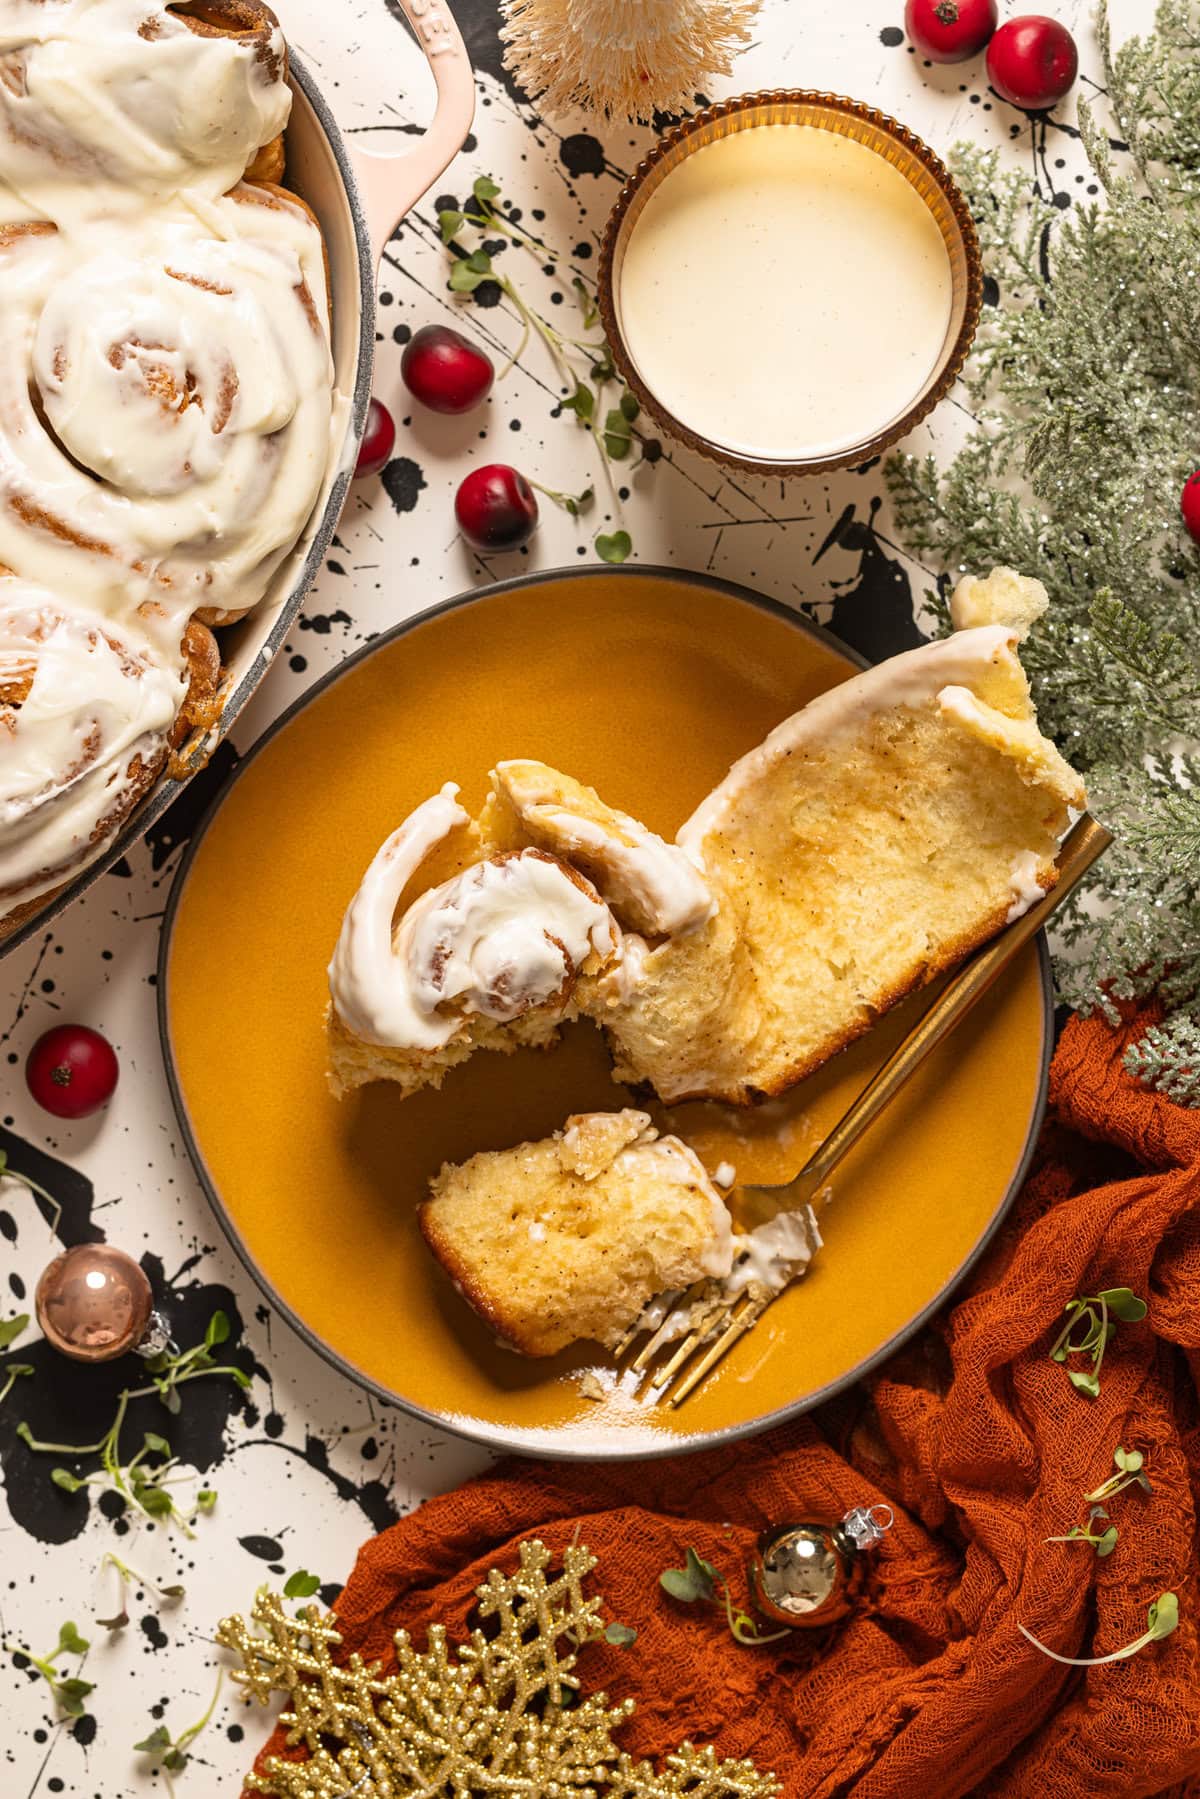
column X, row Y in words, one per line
column 168, row 413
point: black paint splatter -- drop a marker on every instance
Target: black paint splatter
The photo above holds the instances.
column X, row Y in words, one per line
column 582, row 154
column 184, row 814
column 265, row 1548
column 874, row 615
column 891, row 36
column 69, row 1402
column 402, row 481
column 323, row 622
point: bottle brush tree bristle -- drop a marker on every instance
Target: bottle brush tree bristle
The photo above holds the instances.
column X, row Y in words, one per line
column 624, row 58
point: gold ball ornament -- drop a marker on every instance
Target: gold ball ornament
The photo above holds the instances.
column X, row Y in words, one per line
column 94, row 1304
column 803, row 1575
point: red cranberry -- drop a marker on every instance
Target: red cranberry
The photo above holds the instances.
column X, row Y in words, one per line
column 495, row 508
column 72, row 1070
column 445, row 371
column 1189, row 505
column 379, row 440
column 1032, row 62
column 950, row 30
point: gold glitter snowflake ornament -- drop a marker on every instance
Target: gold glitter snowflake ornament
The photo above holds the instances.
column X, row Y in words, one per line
column 499, row 1714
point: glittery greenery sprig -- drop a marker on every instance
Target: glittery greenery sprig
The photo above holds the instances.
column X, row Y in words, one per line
column 1084, row 386
column 502, row 1713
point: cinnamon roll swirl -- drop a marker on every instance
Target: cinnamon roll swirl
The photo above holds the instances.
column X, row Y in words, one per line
column 89, row 712
column 110, row 106
column 165, row 418
column 487, row 959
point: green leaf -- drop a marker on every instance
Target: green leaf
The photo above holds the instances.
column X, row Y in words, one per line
column 218, row 1330
column 1128, row 1460
column 71, row 1695
column 175, row 1591
column 630, row 406
column 615, row 548
column 697, row 1579
column 243, row 1380
column 582, row 402
column 484, row 188
column 621, row 1636
column 301, row 1585
column 1108, row 1541
column 70, row 1642
column 70, row 1483
column 11, row 1328
column 154, row 1501
column 480, row 262
column 158, row 1740
column 206, row 1499
column 450, row 223
column 175, row 1761
column 1086, row 1383
column 171, row 1399
column 155, row 1444
column 1163, row 1616
column 1124, row 1304
column 463, row 278
column 117, row 1623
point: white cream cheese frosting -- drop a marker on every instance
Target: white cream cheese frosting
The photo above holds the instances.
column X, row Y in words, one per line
column 108, row 106
column 501, row 937
column 168, row 411
column 97, row 702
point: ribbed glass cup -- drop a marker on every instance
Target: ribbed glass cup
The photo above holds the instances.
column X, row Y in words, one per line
column 924, row 172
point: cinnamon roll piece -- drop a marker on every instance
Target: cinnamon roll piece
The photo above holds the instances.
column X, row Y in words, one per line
column 89, row 712
column 110, row 107
column 487, row 959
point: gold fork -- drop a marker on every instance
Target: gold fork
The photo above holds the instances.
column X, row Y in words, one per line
column 699, row 1326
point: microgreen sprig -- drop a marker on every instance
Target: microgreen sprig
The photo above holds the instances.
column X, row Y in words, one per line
column 13, row 1174
column 142, row 1482
column 10, row 1330
column 1130, row 1473
column 171, row 1754
column 697, row 1581
column 1090, row 1326
column 1103, row 1542
column 69, row 1692
column 301, row 1585
column 133, row 1577
column 1161, row 1619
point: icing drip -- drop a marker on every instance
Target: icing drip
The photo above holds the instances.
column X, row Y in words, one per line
column 496, row 940
column 110, row 105
column 773, row 1254
column 1026, row 888
column 92, row 703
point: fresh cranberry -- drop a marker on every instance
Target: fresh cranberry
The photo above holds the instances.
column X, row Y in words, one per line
column 1189, row 505
column 445, row 371
column 495, row 508
column 378, row 441
column 1032, row 62
column 72, row 1071
column 950, row 30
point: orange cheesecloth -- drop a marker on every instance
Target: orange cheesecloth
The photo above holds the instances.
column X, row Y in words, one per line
column 983, row 1448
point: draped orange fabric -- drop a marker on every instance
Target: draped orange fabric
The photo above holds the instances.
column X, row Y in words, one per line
column 984, row 1449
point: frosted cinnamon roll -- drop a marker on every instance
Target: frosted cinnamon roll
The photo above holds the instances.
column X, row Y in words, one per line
column 112, row 106
column 488, row 958
column 89, row 712
column 165, row 403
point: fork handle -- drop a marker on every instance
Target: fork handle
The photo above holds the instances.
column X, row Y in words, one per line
column 1086, row 840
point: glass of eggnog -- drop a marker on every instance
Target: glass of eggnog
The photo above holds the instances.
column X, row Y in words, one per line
column 790, row 282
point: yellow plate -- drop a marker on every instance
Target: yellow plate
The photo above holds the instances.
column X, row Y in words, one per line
column 646, row 684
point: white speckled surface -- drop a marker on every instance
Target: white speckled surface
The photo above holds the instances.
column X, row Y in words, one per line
column 315, row 1464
